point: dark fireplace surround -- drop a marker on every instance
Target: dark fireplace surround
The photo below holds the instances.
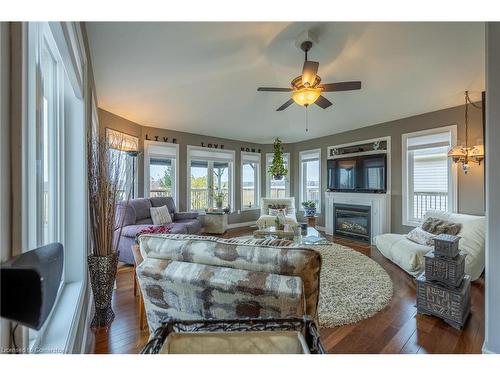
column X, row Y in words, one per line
column 352, row 221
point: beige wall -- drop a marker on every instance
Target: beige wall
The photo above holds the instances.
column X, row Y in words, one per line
column 470, row 186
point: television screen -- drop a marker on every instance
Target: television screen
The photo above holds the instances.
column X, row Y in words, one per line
column 362, row 174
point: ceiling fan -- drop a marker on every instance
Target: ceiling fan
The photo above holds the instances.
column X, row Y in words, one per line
column 307, row 88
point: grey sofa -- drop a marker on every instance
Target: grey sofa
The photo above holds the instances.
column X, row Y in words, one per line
column 135, row 216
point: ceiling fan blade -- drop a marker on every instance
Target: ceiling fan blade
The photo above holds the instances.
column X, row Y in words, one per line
column 341, row 86
column 277, row 89
column 323, row 102
column 286, row 105
column 309, row 72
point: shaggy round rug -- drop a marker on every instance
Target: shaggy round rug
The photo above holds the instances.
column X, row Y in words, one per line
column 353, row 287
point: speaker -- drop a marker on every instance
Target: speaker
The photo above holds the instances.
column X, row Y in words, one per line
column 29, row 285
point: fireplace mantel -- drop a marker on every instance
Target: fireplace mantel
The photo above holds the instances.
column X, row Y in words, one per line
column 380, row 205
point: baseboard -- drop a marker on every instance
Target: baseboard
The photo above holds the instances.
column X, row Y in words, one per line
column 239, row 225
column 485, row 349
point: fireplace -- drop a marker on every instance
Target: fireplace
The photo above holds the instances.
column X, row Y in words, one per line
column 352, row 221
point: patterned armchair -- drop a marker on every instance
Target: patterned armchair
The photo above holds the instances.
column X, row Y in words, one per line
column 267, row 219
column 196, row 277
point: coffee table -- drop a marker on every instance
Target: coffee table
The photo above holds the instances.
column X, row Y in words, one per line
column 313, row 237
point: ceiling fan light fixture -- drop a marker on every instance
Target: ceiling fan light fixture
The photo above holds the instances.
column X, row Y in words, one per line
column 306, row 96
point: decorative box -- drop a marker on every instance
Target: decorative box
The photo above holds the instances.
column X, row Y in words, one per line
column 450, row 304
column 449, row 271
column 446, row 245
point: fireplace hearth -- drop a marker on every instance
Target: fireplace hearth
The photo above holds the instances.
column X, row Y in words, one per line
column 352, row 221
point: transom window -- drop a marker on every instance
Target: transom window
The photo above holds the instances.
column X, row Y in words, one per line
column 429, row 177
column 250, row 180
column 277, row 188
column 210, row 178
column 310, row 176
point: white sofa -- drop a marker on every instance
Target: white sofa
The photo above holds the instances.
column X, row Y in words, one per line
column 410, row 255
column 269, row 220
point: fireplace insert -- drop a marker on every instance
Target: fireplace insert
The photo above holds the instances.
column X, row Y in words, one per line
column 352, row 221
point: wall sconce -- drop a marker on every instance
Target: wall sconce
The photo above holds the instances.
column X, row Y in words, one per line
column 465, row 154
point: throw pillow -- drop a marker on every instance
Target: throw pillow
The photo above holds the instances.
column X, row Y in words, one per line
column 421, row 237
column 440, row 226
column 274, row 211
column 160, row 215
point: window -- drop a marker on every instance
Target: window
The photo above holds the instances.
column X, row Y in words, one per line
column 310, row 176
column 54, row 169
column 161, row 169
column 429, row 176
column 250, row 180
column 210, row 175
column 277, row 188
column 128, row 145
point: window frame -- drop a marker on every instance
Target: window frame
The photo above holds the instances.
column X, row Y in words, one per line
column 147, row 158
column 269, row 159
column 302, row 182
column 59, row 330
column 248, row 158
column 231, row 161
column 407, row 212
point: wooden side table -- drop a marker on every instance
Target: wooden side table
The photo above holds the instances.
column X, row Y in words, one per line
column 311, row 221
column 137, row 290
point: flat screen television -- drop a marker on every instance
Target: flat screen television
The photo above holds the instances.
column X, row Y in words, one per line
column 363, row 174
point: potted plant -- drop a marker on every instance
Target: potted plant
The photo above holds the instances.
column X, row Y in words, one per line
column 219, row 195
column 277, row 168
column 309, row 208
column 104, row 191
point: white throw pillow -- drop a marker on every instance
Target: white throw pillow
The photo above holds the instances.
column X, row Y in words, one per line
column 274, row 211
column 421, row 237
column 160, row 215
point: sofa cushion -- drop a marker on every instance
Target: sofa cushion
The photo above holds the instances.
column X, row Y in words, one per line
column 141, row 207
column 193, row 226
column 163, row 201
column 125, row 215
column 439, row 226
column 132, row 230
column 269, row 220
column 405, row 253
column 234, row 293
column 146, row 221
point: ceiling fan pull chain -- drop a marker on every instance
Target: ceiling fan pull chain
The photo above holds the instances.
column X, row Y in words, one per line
column 307, row 122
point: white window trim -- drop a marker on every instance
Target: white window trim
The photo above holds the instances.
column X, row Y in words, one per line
column 147, row 157
column 188, row 174
column 301, row 178
column 246, row 157
column 286, row 155
column 452, row 177
column 60, row 328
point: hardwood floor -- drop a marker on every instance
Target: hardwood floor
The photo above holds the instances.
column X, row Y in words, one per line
column 396, row 329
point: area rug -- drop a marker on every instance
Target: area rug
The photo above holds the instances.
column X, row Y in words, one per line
column 353, row 286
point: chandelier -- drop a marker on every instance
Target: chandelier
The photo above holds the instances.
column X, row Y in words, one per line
column 465, row 154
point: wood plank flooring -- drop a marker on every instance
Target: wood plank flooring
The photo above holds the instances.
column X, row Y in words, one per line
column 396, row 329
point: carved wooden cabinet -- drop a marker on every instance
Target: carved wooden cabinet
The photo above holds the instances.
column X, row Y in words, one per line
column 444, row 289
column 449, row 271
column 450, row 304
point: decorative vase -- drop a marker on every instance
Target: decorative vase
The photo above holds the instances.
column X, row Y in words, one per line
column 278, row 177
column 102, row 271
column 310, row 212
column 219, row 205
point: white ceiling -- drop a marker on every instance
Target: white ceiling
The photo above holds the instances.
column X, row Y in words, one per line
column 202, row 77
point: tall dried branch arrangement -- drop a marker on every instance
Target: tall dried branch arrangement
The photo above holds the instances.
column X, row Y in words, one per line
column 105, row 190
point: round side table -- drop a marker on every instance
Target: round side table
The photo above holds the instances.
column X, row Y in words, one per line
column 311, row 221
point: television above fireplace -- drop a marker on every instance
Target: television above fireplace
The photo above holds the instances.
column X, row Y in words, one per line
column 363, row 174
